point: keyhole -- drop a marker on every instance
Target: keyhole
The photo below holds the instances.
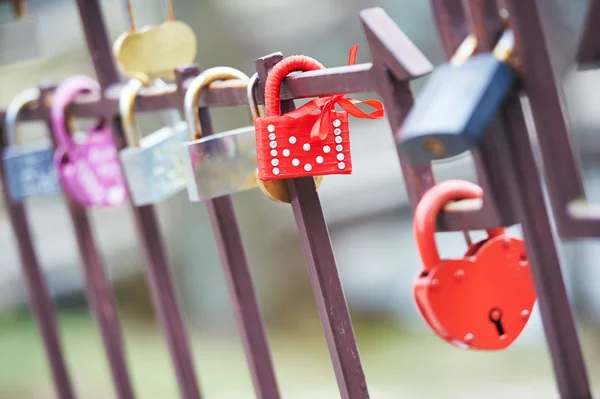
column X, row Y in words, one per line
column 496, row 318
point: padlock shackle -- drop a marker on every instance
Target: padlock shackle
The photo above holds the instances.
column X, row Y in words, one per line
column 428, row 209
column 293, row 63
column 251, row 96
column 20, row 101
column 467, row 48
column 63, row 96
column 234, row 78
column 133, row 134
column 131, row 129
column 130, row 21
column 505, row 46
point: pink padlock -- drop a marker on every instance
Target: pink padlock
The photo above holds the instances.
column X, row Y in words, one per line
column 89, row 168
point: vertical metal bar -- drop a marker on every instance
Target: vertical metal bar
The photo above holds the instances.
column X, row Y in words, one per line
column 164, row 298
column 237, row 274
column 39, row 297
column 157, row 263
column 553, row 301
column 323, row 273
column 507, row 158
column 395, row 61
column 544, row 98
column 589, row 46
column 564, row 181
column 101, row 299
column 159, row 273
column 563, row 178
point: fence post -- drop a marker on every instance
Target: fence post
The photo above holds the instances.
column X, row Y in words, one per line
column 98, row 289
column 39, row 296
column 237, row 273
column 158, row 266
column 509, row 162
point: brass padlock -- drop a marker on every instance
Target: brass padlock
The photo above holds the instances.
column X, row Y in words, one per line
column 153, row 52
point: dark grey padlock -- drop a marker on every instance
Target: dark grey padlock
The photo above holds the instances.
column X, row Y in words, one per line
column 458, row 103
column 29, row 166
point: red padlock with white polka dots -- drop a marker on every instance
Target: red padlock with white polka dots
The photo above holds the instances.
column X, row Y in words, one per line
column 303, row 142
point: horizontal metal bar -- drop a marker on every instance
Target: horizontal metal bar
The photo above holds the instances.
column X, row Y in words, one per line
column 345, row 79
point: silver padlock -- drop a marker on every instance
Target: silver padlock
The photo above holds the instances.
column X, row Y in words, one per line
column 222, row 163
column 29, row 166
column 153, row 164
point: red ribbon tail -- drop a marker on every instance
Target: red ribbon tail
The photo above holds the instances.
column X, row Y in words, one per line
column 349, row 105
column 352, row 56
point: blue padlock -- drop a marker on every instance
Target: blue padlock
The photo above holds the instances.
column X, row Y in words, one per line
column 458, row 102
column 29, row 166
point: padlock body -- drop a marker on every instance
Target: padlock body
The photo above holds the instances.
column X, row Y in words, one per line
column 154, row 170
column 89, row 170
column 457, row 296
column 455, row 108
column 30, row 170
column 220, row 164
column 285, row 148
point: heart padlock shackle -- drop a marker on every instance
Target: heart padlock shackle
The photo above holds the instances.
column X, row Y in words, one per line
column 152, row 164
column 153, row 52
column 303, row 143
column 29, row 166
column 458, row 102
column 481, row 301
column 88, row 167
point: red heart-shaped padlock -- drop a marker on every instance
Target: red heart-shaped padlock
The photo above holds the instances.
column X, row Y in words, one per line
column 482, row 301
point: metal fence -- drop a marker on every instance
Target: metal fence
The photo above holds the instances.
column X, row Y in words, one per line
column 506, row 169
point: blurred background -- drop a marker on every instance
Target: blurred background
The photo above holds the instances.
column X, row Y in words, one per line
column 367, row 214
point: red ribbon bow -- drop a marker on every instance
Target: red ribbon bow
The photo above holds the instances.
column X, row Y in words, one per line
column 326, row 105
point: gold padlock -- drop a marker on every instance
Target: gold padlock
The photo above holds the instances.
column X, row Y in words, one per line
column 153, row 52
